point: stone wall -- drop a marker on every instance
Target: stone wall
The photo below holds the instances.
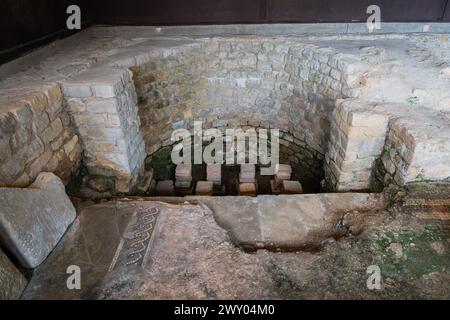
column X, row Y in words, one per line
column 413, row 153
column 356, row 141
column 102, row 103
column 260, row 82
column 127, row 104
column 375, row 145
column 36, row 135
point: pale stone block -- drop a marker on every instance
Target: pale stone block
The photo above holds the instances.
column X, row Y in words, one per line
column 292, row 187
column 33, row 220
column 76, row 90
column 109, row 106
column 69, row 146
column 282, row 172
column 204, row 188
column 368, row 119
column 247, row 173
column 247, row 189
column 54, row 130
column 182, row 184
column 104, row 91
column 214, row 173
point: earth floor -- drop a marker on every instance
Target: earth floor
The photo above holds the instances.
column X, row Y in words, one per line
column 141, row 249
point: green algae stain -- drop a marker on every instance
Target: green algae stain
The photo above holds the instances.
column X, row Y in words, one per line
column 418, row 257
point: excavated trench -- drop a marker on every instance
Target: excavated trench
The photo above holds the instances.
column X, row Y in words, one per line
column 241, row 83
column 258, row 83
column 306, row 168
column 117, row 118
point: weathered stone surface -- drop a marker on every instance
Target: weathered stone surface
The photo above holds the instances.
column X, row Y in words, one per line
column 288, row 222
column 183, row 172
column 207, row 254
column 204, row 188
column 247, row 173
column 108, row 124
column 242, row 224
column 33, row 220
column 12, row 282
column 183, row 184
column 214, row 173
column 292, row 187
column 247, row 189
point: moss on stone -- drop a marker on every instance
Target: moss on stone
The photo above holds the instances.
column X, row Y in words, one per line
column 418, row 257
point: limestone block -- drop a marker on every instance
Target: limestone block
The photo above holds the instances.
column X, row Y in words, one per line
column 292, row 187
column 108, row 106
column 368, row 119
column 247, row 189
column 108, row 124
column 183, row 172
column 76, row 90
column 12, row 282
column 247, row 173
column 214, row 173
column 102, row 82
column 52, row 131
column 33, row 220
column 204, row 188
column 283, row 172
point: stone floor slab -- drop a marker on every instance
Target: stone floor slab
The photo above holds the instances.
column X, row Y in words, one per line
column 12, row 282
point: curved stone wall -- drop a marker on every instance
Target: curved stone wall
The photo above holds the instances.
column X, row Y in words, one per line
column 260, row 82
column 307, row 164
column 120, row 100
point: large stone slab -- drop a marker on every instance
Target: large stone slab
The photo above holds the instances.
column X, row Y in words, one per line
column 302, row 221
column 33, row 220
column 12, row 282
column 239, row 216
column 287, row 222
